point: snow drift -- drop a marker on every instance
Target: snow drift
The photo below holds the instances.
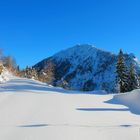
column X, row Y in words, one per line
column 130, row 99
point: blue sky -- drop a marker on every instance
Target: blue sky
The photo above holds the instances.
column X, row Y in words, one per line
column 32, row 30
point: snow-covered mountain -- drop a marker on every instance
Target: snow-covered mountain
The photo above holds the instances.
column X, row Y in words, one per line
column 84, row 67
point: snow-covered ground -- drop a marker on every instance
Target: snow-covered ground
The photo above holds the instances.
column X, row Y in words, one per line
column 30, row 110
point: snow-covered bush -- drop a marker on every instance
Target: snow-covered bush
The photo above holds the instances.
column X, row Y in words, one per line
column 4, row 74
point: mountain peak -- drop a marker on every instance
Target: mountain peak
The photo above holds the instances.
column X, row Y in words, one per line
column 83, row 67
column 82, row 50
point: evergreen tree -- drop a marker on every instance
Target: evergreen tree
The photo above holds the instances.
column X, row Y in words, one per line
column 132, row 78
column 122, row 77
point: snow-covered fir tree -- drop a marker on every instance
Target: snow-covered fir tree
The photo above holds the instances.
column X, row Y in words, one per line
column 132, row 78
column 121, row 69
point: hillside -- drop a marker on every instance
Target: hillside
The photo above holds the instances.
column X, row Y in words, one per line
column 83, row 67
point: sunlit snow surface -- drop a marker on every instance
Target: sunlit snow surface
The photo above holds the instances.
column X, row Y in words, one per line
column 30, row 110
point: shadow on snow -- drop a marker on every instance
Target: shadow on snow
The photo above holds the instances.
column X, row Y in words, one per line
column 18, row 85
column 35, row 125
column 102, row 109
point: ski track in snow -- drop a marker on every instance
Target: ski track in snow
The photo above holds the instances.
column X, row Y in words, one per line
column 30, row 110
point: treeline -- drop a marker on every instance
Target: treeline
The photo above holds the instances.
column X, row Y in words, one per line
column 127, row 77
column 29, row 72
